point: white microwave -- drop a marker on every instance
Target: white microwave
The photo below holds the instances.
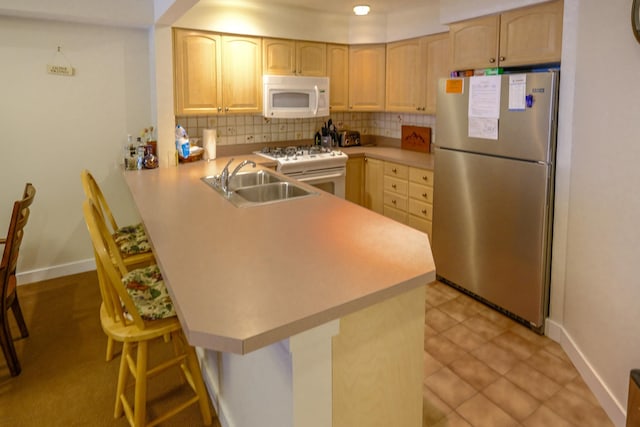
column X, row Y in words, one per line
column 295, row 96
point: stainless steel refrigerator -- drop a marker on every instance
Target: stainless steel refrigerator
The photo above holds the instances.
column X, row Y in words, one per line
column 494, row 188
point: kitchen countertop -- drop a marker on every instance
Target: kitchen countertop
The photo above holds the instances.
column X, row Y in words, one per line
column 393, row 154
column 244, row 278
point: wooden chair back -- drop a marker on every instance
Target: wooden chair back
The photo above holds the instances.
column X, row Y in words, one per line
column 19, row 218
column 94, row 193
column 9, row 296
column 111, row 269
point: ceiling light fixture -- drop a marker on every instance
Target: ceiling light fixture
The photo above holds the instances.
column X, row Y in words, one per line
column 361, row 10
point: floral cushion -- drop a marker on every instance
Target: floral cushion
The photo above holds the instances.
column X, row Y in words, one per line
column 132, row 239
column 149, row 294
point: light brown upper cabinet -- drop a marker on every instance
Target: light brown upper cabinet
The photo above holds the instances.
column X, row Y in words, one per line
column 367, row 77
column 405, row 76
column 338, row 72
column 438, row 66
column 413, row 69
column 216, row 74
column 293, row 57
column 531, row 35
column 197, row 79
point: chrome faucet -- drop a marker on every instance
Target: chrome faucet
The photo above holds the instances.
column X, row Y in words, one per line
column 225, row 176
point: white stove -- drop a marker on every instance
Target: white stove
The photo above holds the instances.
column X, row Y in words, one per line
column 319, row 166
column 304, row 158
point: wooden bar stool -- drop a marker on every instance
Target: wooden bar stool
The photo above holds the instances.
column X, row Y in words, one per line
column 136, row 309
column 130, row 240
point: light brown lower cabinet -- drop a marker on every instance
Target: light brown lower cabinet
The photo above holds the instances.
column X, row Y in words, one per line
column 400, row 192
column 354, row 185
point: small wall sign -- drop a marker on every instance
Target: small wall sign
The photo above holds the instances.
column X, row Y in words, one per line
column 60, row 65
column 60, row 70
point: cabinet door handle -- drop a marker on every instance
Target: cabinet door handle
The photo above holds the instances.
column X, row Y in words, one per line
column 502, row 58
column 492, row 60
column 219, row 109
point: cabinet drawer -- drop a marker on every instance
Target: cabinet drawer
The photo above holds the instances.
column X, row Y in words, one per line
column 396, row 200
column 420, row 209
column 421, row 192
column 421, row 176
column 394, row 169
column 420, row 224
column 395, row 214
column 395, row 185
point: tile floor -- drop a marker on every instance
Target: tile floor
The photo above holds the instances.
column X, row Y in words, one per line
column 483, row 369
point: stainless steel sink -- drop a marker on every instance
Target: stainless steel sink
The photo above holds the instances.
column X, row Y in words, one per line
column 271, row 192
column 258, row 188
column 247, row 179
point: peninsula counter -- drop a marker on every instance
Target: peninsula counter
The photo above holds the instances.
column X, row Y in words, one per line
column 306, row 312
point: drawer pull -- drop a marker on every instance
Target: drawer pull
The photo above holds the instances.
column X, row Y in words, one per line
column 393, row 186
column 426, row 178
column 424, row 195
column 394, row 170
column 393, row 201
column 424, row 211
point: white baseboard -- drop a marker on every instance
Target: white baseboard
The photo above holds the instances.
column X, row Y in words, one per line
column 56, row 271
column 611, row 406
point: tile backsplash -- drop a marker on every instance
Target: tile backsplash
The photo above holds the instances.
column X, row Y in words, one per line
column 250, row 129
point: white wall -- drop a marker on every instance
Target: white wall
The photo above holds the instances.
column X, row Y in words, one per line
column 458, row 10
column 601, row 316
column 138, row 13
column 54, row 126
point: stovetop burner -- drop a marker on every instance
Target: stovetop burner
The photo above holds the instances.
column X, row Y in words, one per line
column 304, row 157
column 292, row 151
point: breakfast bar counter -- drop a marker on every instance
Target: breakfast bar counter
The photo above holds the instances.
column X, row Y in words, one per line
column 331, row 288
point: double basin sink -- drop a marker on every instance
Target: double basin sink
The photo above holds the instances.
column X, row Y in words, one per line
column 257, row 188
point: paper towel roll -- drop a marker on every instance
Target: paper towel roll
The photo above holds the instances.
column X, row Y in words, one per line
column 209, row 143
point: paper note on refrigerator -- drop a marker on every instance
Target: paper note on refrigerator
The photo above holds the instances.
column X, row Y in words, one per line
column 517, row 91
column 484, row 106
column 484, row 96
column 481, row 127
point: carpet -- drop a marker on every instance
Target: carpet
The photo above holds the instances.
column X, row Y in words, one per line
column 65, row 380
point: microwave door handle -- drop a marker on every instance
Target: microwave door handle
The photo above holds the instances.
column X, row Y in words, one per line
column 315, row 112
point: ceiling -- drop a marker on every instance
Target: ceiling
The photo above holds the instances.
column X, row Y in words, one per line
column 140, row 13
column 342, row 7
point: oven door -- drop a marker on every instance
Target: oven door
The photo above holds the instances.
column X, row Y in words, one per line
column 329, row 180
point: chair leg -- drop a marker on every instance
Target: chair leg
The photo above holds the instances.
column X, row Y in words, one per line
column 140, row 398
column 198, row 383
column 109, row 355
column 6, row 341
column 17, row 313
column 122, row 379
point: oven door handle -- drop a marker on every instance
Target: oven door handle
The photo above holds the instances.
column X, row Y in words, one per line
column 317, row 177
